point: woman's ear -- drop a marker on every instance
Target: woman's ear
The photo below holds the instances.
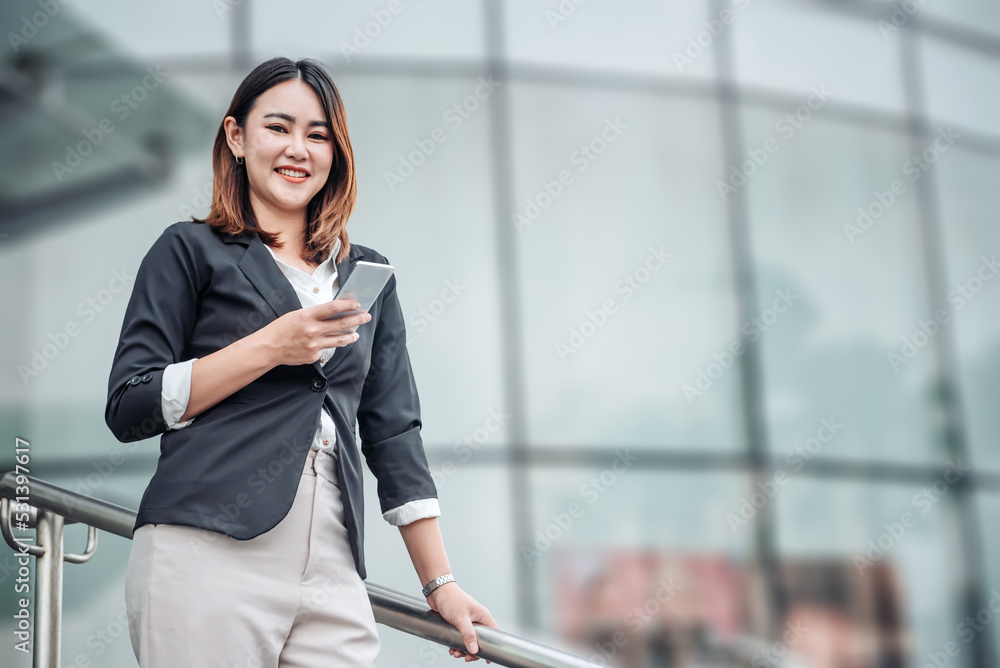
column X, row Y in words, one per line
column 234, row 136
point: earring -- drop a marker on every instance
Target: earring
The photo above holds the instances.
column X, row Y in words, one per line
column 239, row 160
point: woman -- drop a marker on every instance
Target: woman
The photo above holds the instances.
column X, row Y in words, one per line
column 248, row 544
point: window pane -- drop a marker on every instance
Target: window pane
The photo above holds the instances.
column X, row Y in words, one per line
column 961, row 86
column 436, row 226
column 968, row 203
column 989, row 515
column 349, row 32
column 613, row 328
column 634, row 36
column 975, row 15
column 148, row 31
column 791, row 47
column 859, row 288
column 878, row 531
column 623, row 507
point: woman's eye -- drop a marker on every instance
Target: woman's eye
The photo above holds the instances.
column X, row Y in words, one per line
column 314, row 135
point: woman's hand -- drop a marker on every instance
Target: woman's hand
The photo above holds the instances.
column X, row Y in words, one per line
column 299, row 336
column 461, row 610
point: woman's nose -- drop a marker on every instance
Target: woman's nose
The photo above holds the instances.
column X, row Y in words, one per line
column 296, row 145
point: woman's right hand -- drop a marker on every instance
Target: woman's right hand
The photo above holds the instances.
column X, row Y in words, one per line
column 299, row 336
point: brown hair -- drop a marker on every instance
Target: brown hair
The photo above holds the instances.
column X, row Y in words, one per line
column 329, row 209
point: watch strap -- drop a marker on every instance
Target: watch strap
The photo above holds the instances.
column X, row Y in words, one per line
column 437, row 582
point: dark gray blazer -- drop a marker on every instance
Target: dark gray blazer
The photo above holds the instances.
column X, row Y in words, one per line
column 235, row 469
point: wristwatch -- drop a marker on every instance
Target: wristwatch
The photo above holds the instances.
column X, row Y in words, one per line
column 436, row 582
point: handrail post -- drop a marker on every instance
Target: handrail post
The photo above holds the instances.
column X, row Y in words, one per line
column 48, row 590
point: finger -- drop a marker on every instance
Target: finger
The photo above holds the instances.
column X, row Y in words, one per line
column 334, row 306
column 338, row 340
column 338, row 305
column 469, row 638
column 343, row 323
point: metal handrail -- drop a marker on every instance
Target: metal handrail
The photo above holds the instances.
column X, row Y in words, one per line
column 54, row 505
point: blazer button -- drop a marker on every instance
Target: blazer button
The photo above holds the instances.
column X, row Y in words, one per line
column 134, row 380
column 148, row 377
column 318, row 384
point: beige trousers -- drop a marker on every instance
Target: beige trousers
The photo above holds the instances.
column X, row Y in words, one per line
column 289, row 598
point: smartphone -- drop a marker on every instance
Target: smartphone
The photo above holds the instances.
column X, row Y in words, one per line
column 364, row 285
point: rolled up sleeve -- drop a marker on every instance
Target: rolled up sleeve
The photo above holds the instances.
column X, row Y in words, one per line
column 158, row 322
column 412, row 511
column 176, row 393
column 389, row 414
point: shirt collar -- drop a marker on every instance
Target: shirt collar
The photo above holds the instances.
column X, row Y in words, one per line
column 324, row 269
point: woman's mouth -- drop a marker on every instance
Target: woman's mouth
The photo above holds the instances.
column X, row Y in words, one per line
column 292, row 175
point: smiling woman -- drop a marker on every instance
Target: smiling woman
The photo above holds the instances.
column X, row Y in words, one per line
column 275, row 151
column 296, row 148
column 255, row 513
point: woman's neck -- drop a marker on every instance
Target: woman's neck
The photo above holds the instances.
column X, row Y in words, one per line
column 290, row 230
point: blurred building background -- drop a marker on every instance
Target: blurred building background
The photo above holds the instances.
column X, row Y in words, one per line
column 700, row 301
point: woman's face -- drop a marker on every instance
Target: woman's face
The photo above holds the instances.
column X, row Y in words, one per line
column 285, row 130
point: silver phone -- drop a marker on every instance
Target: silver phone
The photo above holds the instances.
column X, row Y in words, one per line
column 363, row 285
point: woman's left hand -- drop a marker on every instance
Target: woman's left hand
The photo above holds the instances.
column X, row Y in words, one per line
column 461, row 610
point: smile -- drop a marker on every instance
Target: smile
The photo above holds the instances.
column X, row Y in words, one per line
column 292, row 175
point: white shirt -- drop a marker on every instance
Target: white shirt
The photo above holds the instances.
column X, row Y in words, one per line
column 312, row 290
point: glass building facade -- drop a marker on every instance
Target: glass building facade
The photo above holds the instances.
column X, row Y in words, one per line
column 699, row 301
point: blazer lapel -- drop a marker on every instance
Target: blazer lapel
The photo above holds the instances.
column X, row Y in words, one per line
column 260, row 269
